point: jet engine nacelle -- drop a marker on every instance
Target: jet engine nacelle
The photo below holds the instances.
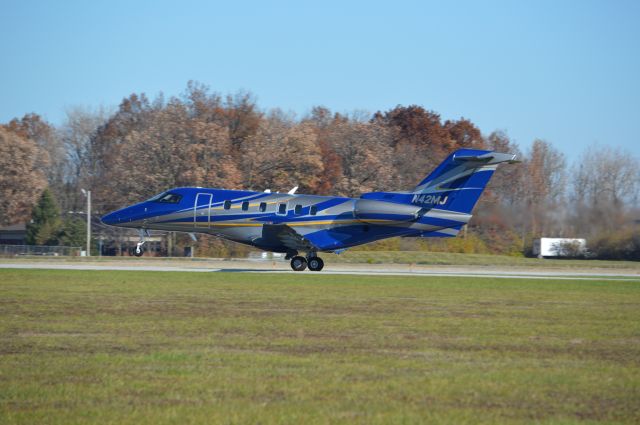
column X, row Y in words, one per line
column 373, row 211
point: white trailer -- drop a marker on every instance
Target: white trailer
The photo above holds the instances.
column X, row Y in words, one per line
column 559, row 247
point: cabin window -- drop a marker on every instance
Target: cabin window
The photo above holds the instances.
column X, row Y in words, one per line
column 298, row 209
column 245, row 206
column 227, row 204
column 282, row 209
column 313, row 210
column 169, row 198
column 263, row 206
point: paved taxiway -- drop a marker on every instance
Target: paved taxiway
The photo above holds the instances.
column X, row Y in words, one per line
column 252, row 266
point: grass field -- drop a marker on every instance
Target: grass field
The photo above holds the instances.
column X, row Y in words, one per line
column 149, row 347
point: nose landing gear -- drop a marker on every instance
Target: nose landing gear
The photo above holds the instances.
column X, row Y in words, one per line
column 139, row 246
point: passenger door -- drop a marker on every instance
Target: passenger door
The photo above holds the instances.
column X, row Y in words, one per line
column 202, row 211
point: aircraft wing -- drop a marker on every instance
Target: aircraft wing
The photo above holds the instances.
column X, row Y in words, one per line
column 288, row 237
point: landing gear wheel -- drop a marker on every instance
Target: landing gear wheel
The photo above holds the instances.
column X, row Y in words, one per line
column 139, row 249
column 298, row 263
column 315, row 264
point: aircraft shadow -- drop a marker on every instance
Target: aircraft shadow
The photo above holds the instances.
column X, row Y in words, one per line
column 248, row 270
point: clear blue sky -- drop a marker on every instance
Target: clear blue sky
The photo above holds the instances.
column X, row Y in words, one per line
column 567, row 72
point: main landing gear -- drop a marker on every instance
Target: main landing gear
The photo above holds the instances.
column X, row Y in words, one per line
column 315, row 264
column 299, row 263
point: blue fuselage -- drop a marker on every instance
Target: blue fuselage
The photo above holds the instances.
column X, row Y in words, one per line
column 283, row 222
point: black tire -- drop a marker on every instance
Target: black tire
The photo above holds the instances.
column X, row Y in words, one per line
column 315, row 264
column 138, row 253
column 298, row 263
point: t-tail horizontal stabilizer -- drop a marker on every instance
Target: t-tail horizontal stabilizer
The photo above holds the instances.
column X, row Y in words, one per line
column 493, row 158
column 457, row 183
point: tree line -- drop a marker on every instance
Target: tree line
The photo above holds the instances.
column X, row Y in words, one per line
column 203, row 138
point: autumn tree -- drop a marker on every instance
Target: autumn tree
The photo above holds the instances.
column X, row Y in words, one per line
column 320, row 116
column 242, row 117
column 320, row 119
column 164, row 147
column 78, row 133
column 507, row 183
column 606, row 185
column 499, row 217
column 464, row 134
column 50, row 155
column 282, row 155
column 107, row 145
column 202, row 103
column 415, row 126
column 238, row 113
column 21, row 178
column 544, row 185
column 365, row 154
column 419, row 140
column 203, row 138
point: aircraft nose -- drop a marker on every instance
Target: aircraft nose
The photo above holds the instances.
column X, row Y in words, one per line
column 112, row 218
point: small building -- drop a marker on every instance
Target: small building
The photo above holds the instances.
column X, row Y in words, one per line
column 14, row 234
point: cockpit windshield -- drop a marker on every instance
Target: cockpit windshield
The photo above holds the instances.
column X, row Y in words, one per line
column 166, row 197
column 156, row 197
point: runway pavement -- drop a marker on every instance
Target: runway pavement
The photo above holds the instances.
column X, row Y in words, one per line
column 253, row 266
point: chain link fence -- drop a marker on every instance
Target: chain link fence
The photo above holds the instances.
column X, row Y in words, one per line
column 17, row 250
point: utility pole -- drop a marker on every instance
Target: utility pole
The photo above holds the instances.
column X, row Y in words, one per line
column 87, row 193
column 88, row 223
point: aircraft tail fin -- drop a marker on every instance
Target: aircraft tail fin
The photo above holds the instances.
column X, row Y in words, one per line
column 457, row 183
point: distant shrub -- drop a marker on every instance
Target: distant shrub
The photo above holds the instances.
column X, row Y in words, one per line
column 621, row 245
column 208, row 246
column 504, row 242
column 391, row 244
column 471, row 244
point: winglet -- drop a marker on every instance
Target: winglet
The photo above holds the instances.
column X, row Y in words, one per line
column 267, row 191
column 292, row 191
